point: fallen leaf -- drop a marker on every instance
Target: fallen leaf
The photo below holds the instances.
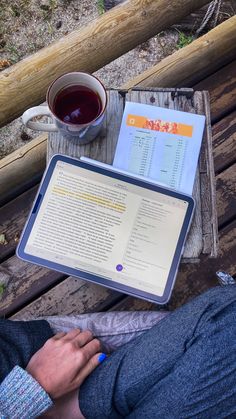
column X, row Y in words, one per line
column 3, row 239
column 16, row 238
column 4, row 64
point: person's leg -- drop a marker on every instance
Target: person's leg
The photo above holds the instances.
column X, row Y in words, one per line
column 113, row 328
column 183, row 367
column 19, row 341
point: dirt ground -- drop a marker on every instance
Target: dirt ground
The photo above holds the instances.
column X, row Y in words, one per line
column 28, row 25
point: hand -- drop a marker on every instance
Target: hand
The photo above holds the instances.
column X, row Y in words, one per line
column 64, row 362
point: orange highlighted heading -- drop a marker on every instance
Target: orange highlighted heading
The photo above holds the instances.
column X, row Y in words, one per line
column 159, row 125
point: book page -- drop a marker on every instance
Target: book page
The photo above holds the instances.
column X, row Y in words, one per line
column 102, row 225
column 162, row 144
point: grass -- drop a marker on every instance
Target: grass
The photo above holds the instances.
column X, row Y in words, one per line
column 48, row 9
column 101, row 6
column 184, row 40
column 14, row 53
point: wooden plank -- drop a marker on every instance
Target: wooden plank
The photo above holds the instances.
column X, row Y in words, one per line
column 190, row 64
column 87, row 49
column 22, row 169
column 226, row 195
column 13, row 217
column 72, row 296
column 133, row 304
column 26, row 281
column 193, row 246
column 224, row 141
column 222, row 89
column 75, row 296
column 207, row 180
column 192, row 280
column 103, row 147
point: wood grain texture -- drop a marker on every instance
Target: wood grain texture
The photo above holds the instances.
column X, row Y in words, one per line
column 224, row 141
column 75, row 296
column 13, row 217
column 87, row 49
column 189, row 65
column 194, row 243
column 133, row 304
column 222, row 89
column 26, row 281
column 32, row 289
column 193, row 280
column 103, row 149
column 70, row 297
column 32, row 166
column 22, row 169
column 192, row 22
column 226, row 194
column 207, row 180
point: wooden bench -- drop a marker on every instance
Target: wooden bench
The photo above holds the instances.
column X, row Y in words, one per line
column 30, row 290
column 46, row 292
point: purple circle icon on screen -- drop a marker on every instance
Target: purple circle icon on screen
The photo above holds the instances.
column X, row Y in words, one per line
column 119, row 268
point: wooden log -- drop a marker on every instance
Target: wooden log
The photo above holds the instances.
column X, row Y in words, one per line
column 87, row 49
column 30, row 164
column 22, row 168
column 192, row 63
column 224, row 142
column 192, row 22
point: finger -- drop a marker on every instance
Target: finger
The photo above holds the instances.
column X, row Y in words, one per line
column 90, row 366
column 71, row 334
column 83, row 338
column 91, row 348
column 59, row 335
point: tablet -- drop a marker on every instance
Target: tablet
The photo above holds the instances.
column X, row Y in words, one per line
column 109, row 228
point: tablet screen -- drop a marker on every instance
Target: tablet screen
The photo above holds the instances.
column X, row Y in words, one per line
column 108, row 227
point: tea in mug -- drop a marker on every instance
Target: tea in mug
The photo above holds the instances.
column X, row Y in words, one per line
column 77, row 105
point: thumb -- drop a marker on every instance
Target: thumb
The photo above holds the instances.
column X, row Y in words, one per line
column 90, row 366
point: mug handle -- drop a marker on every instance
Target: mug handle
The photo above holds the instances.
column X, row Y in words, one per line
column 38, row 126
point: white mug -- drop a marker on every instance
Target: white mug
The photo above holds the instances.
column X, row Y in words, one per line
column 83, row 132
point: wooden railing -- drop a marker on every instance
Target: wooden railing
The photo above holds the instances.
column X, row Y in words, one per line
column 87, row 49
column 104, row 39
